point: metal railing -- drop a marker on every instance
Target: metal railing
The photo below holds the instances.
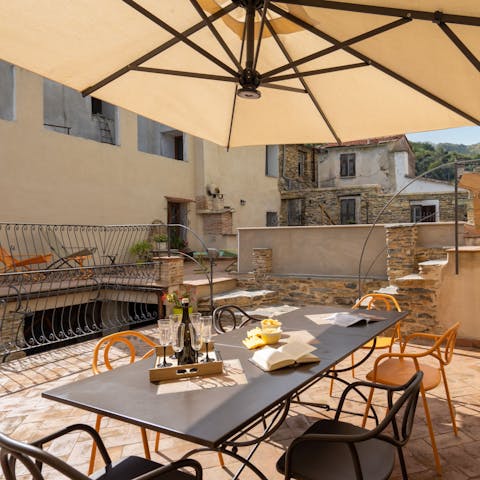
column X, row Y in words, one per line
column 62, row 283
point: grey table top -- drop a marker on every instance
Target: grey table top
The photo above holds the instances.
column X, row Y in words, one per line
column 212, row 415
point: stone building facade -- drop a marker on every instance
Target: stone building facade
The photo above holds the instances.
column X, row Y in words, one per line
column 358, row 183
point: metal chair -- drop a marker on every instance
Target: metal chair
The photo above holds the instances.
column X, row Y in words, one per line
column 32, row 457
column 394, row 367
column 226, row 318
column 76, row 257
column 337, row 450
column 15, row 263
column 377, row 301
column 102, row 349
column 104, row 346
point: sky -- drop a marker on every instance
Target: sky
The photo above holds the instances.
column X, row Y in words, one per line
column 464, row 135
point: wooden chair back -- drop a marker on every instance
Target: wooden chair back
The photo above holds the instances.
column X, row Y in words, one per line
column 379, row 301
column 127, row 338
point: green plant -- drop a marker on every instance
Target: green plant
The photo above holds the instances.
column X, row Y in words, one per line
column 175, row 298
column 142, row 250
column 176, row 242
column 160, row 238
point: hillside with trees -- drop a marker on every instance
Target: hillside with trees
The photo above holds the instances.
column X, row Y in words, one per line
column 430, row 155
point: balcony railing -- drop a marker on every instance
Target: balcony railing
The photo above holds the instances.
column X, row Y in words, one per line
column 60, row 283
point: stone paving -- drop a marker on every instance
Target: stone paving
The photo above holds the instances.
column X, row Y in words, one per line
column 24, row 414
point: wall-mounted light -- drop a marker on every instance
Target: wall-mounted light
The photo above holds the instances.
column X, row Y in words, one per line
column 243, row 202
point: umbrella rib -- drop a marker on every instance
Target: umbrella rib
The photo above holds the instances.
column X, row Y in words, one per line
column 215, row 33
column 284, row 87
column 262, row 26
column 146, row 13
column 309, row 73
column 388, row 11
column 460, row 45
column 303, row 82
column 339, row 46
column 156, row 51
column 377, row 65
column 180, row 73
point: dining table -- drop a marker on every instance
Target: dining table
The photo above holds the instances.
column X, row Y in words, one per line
column 219, row 412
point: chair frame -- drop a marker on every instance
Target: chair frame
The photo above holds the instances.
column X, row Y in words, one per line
column 230, row 311
column 12, row 451
column 399, row 437
column 78, row 257
column 445, row 341
column 105, row 344
column 388, row 301
column 12, row 263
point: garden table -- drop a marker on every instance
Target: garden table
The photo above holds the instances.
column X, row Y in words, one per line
column 217, row 418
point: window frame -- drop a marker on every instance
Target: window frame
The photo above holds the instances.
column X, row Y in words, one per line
column 345, row 220
column 301, row 161
column 348, row 168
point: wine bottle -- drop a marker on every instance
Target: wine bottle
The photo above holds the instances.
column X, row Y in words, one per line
column 188, row 354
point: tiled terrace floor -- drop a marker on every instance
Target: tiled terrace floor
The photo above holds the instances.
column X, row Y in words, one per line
column 25, row 415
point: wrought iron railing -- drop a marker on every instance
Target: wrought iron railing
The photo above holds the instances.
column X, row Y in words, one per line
column 61, row 283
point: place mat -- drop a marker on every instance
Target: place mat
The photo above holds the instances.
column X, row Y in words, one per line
column 232, row 375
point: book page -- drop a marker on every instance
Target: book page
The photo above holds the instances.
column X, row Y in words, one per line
column 342, row 319
column 296, row 350
column 269, row 359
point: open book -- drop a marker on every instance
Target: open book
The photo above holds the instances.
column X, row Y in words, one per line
column 343, row 319
column 293, row 353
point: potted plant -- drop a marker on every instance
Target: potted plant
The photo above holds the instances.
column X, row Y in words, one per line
column 161, row 241
column 142, row 250
column 175, row 300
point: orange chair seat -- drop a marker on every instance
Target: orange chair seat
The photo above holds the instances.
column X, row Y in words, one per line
column 396, row 371
column 382, row 342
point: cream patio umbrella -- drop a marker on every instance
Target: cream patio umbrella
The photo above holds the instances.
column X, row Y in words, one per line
column 251, row 72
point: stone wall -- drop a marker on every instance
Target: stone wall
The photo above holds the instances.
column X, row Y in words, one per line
column 170, row 270
column 290, row 178
column 372, row 202
column 218, row 223
column 415, row 279
column 310, row 290
column 401, row 242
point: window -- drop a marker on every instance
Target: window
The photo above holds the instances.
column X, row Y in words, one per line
column 302, row 158
column 66, row 111
column 271, row 161
column 158, row 139
column 348, row 211
column 178, row 139
column 347, row 165
column 295, row 211
column 97, row 107
column 423, row 213
column 314, row 166
column 272, row 219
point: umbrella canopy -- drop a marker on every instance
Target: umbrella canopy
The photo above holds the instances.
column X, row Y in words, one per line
column 252, row 72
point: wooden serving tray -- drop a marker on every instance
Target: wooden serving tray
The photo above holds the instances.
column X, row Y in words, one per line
column 158, row 374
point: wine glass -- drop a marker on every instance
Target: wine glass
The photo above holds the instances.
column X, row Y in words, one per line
column 207, row 335
column 164, row 338
column 178, row 335
column 175, row 319
column 195, row 318
column 196, row 336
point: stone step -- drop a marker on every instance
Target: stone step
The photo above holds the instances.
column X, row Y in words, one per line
column 431, row 268
column 202, row 286
column 246, row 299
